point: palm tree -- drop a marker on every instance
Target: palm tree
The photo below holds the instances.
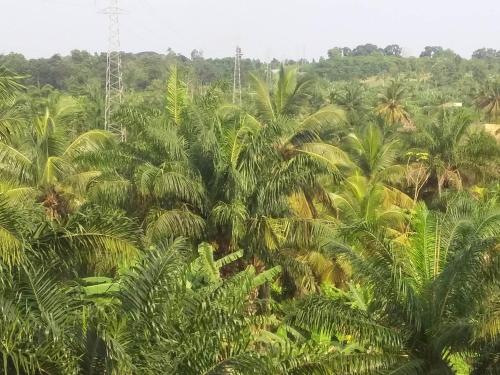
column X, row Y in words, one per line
column 360, row 201
column 430, row 291
column 371, row 194
column 168, row 189
column 351, row 99
column 47, row 162
column 374, row 156
column 264, row 160
column 489, row 101
column 177, row 317
column 446, row 146
column 39, row 323
column 391, row 106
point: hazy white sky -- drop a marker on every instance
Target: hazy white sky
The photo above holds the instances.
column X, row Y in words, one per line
column 263, row 28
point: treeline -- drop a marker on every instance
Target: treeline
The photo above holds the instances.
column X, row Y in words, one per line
column 148, row 69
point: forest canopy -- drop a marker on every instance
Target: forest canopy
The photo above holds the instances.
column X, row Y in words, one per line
column 342, row 218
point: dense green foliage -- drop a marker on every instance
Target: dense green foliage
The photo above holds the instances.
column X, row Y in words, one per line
column 343, row 220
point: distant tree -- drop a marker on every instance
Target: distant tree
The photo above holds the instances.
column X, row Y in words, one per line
column 15, row 62
column 365, row 50
column 431, row 51
column 346, row 51
column 80, row 56
column 196, row 55
column 335, row 52
column 393, row 50
column 485, row 53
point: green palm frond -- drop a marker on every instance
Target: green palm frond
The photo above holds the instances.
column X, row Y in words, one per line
column 171, row 182
column 50, row 303
column 11, row 121
column 89, row 142
column 54, row 170
column 372, row 154
column 328, row 116
column 11, row 240
column 44, row 321
column 15, row 165
column 263, row 99
column 232, row 214
column 20, row 195
column 328, row 154
column 80, row 182
column 174, row 223
column 109, row 191
column 290, row 91
column 9, row 84
column 151, row 279
column 96, row 239
column 176, row 96
column 333, row 317
column 168, row 139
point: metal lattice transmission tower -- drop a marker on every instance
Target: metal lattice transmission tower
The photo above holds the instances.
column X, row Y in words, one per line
column 269, row 76
column 114, row 80
column 237, row 76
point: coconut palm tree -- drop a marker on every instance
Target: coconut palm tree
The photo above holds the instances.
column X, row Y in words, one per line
column 391, row 106
column 359, row 201
column 371, row 193
column 374, row 156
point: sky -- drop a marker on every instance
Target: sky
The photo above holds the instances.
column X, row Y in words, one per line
column 263, row 28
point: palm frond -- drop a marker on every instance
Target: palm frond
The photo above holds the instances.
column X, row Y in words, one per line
column 89, row 142
column 176, row 96
column 12, row 243
column 174, row 223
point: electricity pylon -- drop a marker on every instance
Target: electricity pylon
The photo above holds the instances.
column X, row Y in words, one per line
column 114, row 80
column 237, row 76
column 269, row 76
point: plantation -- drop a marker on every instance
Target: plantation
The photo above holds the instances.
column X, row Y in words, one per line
column 343, row 219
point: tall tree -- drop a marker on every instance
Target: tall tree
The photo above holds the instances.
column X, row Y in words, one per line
column 392, row 107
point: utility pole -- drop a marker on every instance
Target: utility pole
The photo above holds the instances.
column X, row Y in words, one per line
column 237, row 76
column 114, row 80
column 269, row 75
